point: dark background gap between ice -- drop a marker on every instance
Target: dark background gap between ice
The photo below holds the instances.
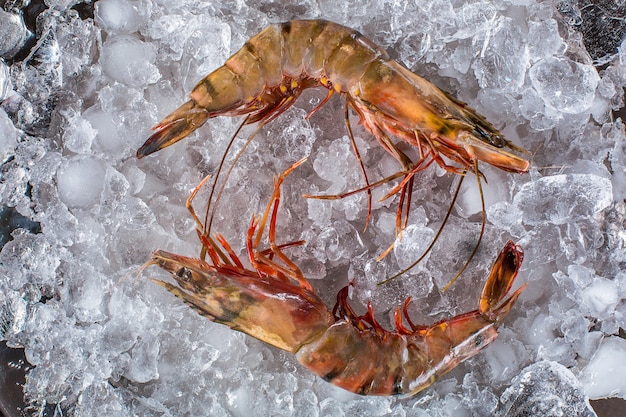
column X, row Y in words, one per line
column 600, row 24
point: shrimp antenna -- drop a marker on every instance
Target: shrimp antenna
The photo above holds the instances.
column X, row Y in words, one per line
column 432, row 244
column 217, row 174
column 358, row 157
column 445, row 220
column 207, row 230
column 482, row 228
column 260, row 116
column 230, row 169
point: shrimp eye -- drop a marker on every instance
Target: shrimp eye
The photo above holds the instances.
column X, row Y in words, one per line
column 493, row 139
column 184, row 274
column 497, row 141
column 478, row 340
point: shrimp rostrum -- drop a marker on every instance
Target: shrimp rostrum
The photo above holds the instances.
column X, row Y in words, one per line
column 273, row 302
column 270, row 71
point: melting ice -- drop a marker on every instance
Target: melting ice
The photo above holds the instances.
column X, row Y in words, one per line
column 79, row 94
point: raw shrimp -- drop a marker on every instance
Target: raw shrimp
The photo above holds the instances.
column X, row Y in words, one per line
column 266, row 76
column 273, row 302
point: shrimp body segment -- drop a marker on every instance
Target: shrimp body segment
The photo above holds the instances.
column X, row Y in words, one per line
column 273, row 302
column 270, row 71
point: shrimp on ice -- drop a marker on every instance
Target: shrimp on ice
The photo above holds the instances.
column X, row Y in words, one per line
column 266, row 76
column 271, row 70
column 273, row 302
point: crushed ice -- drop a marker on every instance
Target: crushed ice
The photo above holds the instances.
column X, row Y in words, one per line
column 76, row 106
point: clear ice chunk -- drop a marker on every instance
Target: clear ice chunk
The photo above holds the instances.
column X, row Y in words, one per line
column 6, row 87
column 414, row 241
column 13, row 34
column 544, row 39
column 8, row 136
column 491, row 70
column 559, row 199
column 544, row 388
column 143, row 365
column 130, row 61
column 565, row 85
column 81, row 181
column 605, row 374
column 79, row 135
column 121, row 16
column 600, row 298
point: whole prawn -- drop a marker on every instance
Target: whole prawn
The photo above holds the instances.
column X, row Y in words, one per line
column 266, row 76
column 271, row 70
column 273, row 302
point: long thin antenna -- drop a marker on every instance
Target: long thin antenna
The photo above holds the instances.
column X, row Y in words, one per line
column 482, row 229
column 429, row 248
column 358, row 157
column 207, row 232
column 217, row 175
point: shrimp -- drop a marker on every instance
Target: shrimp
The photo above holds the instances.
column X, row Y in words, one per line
column 266, row 76
column 273, row 302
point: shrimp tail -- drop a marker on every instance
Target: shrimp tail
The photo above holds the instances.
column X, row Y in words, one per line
column 178, row 125
column 499, row 283
column 357, row 354
column 493, row 307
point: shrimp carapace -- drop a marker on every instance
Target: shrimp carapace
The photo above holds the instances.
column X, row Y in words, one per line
column 273, row 302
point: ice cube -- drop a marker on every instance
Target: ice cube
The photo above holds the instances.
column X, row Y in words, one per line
column 81, row 181
column 130, row 61
column 559, row 199
column 474, row 18
column 413, row 242
column 121, row 16
column 8, row 136
column 544, row 388
column 60, row 4
column 13, row 34
column 605, row 374
column 565, row 85
column 143, row 365
column 6, row 86
column 108, row 137
column 491, row 70
column 78, row 135
column 544, row 39
column 600, row 298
